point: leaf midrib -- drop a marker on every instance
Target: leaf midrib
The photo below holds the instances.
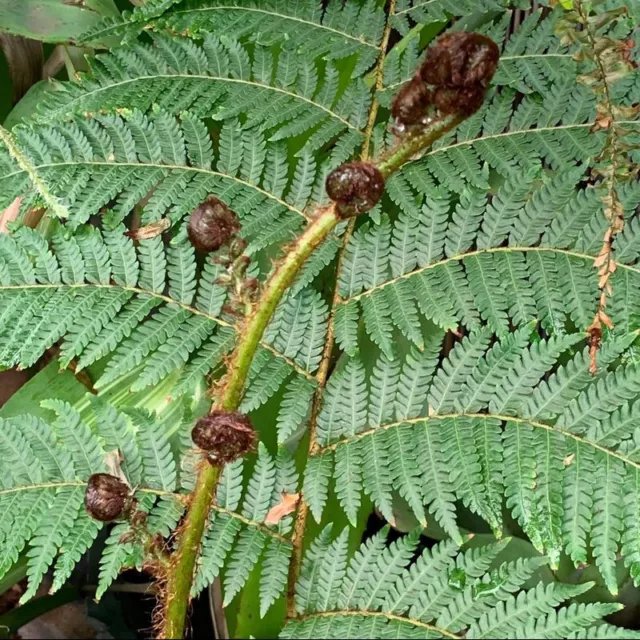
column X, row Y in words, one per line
column 97, row 34
column 502, row 418
column 477, row 252
column 41, row 486
column 157, row 165
column 378, row 614
column 69, row 106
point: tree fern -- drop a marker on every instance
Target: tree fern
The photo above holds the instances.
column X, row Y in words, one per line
column 460, row 382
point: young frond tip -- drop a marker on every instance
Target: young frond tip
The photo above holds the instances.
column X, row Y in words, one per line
column 460, row 67
column 211, row 225
column 224, row 435
column 355, row 187
column 106, row 497
column 460, row 60
column 412, row 102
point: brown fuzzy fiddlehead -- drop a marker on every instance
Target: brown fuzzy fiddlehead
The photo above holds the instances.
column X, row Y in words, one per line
column 211, row 225
column 453, row 78
column 460, row 60
column 224, row 435
column 355, row 187
column 412, row 102
column 106, row 497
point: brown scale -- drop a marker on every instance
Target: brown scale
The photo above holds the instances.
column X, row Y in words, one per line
column 460, row 60
column 412, row 102
column 459, row 67
column 355, row 187
column 466, row 100
column 106, row 497
column 211, row 225
column 224, row 435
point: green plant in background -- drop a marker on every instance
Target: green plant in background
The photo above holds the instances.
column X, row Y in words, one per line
column 464, row 349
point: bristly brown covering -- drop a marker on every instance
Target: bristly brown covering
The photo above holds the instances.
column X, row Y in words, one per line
column 460, row 67
column 412, row 102
column 224, row 435
column 460, row 60
column 211, row 225
column 105, row 497
column 355, row 187
column 465, row 100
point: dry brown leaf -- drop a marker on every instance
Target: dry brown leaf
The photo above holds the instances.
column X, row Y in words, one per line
column 601, row 259
column 10, row 214
column 151, row 230
column 606, row 319
column 286, row 506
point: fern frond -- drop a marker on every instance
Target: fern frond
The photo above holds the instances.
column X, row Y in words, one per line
column 448, row 260
column 44, row 502
column 486, row 281
column 220, row 79
column 482, row 602
column 111, row 169
column 107, row 310
column 441, row 448
column 237, row 534
column 338, row 33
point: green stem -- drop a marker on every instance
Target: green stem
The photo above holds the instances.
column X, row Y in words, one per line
column 180, row 576
column 275, row 288
column 181, row 572
column 413, row 145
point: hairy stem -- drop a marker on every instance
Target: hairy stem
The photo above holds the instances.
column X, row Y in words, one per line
column 275, row 288
column 180, row 576
column 182, row 569
column 613, row 208
column 413, row 145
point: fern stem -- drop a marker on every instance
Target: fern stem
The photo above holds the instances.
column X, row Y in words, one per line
column 275, row 288
column 180, row 575
column 415, row 144
column 613, row 207
column 182, row 569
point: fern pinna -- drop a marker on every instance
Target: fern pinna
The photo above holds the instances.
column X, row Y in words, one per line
column 464, row 350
